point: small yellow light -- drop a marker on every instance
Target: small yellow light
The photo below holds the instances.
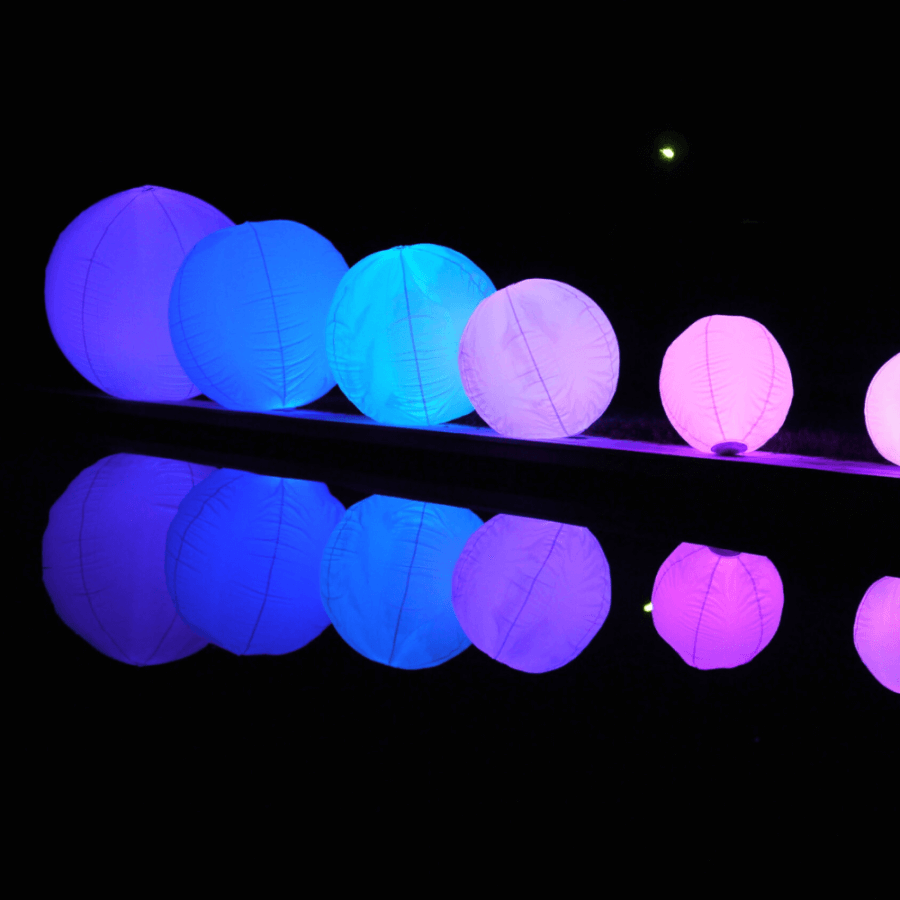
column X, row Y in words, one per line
column 667, row 152
column 648, row 607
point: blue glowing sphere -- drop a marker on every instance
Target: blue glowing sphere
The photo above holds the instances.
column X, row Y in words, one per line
column 247, row 315
column 393, row 333
column 387, row 576
column 242, row 560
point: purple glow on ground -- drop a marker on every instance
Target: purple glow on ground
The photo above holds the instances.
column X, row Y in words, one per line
column 876, row 631
column 882, row 410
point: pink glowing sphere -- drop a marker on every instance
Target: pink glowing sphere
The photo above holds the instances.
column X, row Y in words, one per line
column 716, row 608
column 726, row 385
column 876, row 632
column 539, row 359
column 530, row 593
column 883, row 410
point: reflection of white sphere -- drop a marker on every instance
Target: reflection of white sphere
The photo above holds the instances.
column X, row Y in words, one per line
column 883, row 410
column 876, row 631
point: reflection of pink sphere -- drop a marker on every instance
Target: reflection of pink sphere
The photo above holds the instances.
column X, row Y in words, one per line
column 529, row 593
column 876, row 632
column 539, row 359
column 883, row 410
column 726, row 385
column 716, row 608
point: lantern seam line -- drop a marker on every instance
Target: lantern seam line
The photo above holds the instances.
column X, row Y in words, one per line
column 759, row 608
column 771, row 384
column 534, row 363
column 330, row 551
column 702, row 608
column 455, row 263
column 673, row 419
column 406, row 589
column 412, row 337
column 587, row 305
column 87, row 278
column 709, row 377
column 530, row 589
column 271, row 568
column 179, row 279
column 166, row 212
column 275, row 312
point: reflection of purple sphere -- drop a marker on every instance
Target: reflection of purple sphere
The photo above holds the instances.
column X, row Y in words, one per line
column 883, row 410
column 104, row 557
column 716, row 608
column 539, row 359
column 876, row 632
column 107, row 289
column 531, row 593
column 726, row 385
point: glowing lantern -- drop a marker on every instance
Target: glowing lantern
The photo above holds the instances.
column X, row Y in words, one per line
column 104, row 557
column 242, row 560
column 386, row 580
column 539, row 359
column 716, row 608
column 726, row 385
column 876, row 632
column 247, row 315
column 883, row 410
column 530, row 593
column 107, row 289
column 393, row 333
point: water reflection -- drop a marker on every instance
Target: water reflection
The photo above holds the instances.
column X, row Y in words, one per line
column 242, row 560
column 876, row 631
column 716, row 608
column 386, row 580
column 531, row 593
column 103, row 557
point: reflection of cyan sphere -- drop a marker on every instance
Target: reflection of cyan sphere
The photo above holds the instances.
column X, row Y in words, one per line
column 882, row 410
column 876, row 631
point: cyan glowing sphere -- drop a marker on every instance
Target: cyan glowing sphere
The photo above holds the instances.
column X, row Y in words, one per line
column 247, row 315
column 104, row 557
column 716, row 608
column 876, row 631
column 539, row 359
column 242, row 560
column 530, row 593
column 107, row 288
column 726, row 385
column 393, row 333
column 386, row 580
column 882, row 410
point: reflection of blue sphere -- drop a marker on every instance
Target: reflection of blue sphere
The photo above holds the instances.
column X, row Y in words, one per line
column 104, row 557
column 247, row 314
column 242, row 560
column 393, row 333
column 386, row 580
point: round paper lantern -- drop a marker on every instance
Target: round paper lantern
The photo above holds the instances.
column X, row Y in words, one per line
column 393, row 333
column 386, row 580
column 716, row 608
column 883, row 410
column 107, row 290
column 104, row 557
column 539, row 359
column 726, row 385
column 531, row 593
column 247, row 315
column 876, row 632
column 242, row 560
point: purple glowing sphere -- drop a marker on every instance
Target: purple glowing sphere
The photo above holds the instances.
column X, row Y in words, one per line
column 716, row 608
column 539, row 359
column 530, row 593
column 107, row 289
column 726, row 385
column 883, row 410
column 876, row 632
column 104, row 557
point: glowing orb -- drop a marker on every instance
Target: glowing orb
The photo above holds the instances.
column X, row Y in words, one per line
column 667, row 152
column 393, row 333
column 882, row 410
column 386, row 580
column 530, row 593
column 716, row 608
column 539, row 359
column 876, row 632
column 107, row 290
column 726, row 385
column 242, row 560
column 247, row 315
column 104, row 557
